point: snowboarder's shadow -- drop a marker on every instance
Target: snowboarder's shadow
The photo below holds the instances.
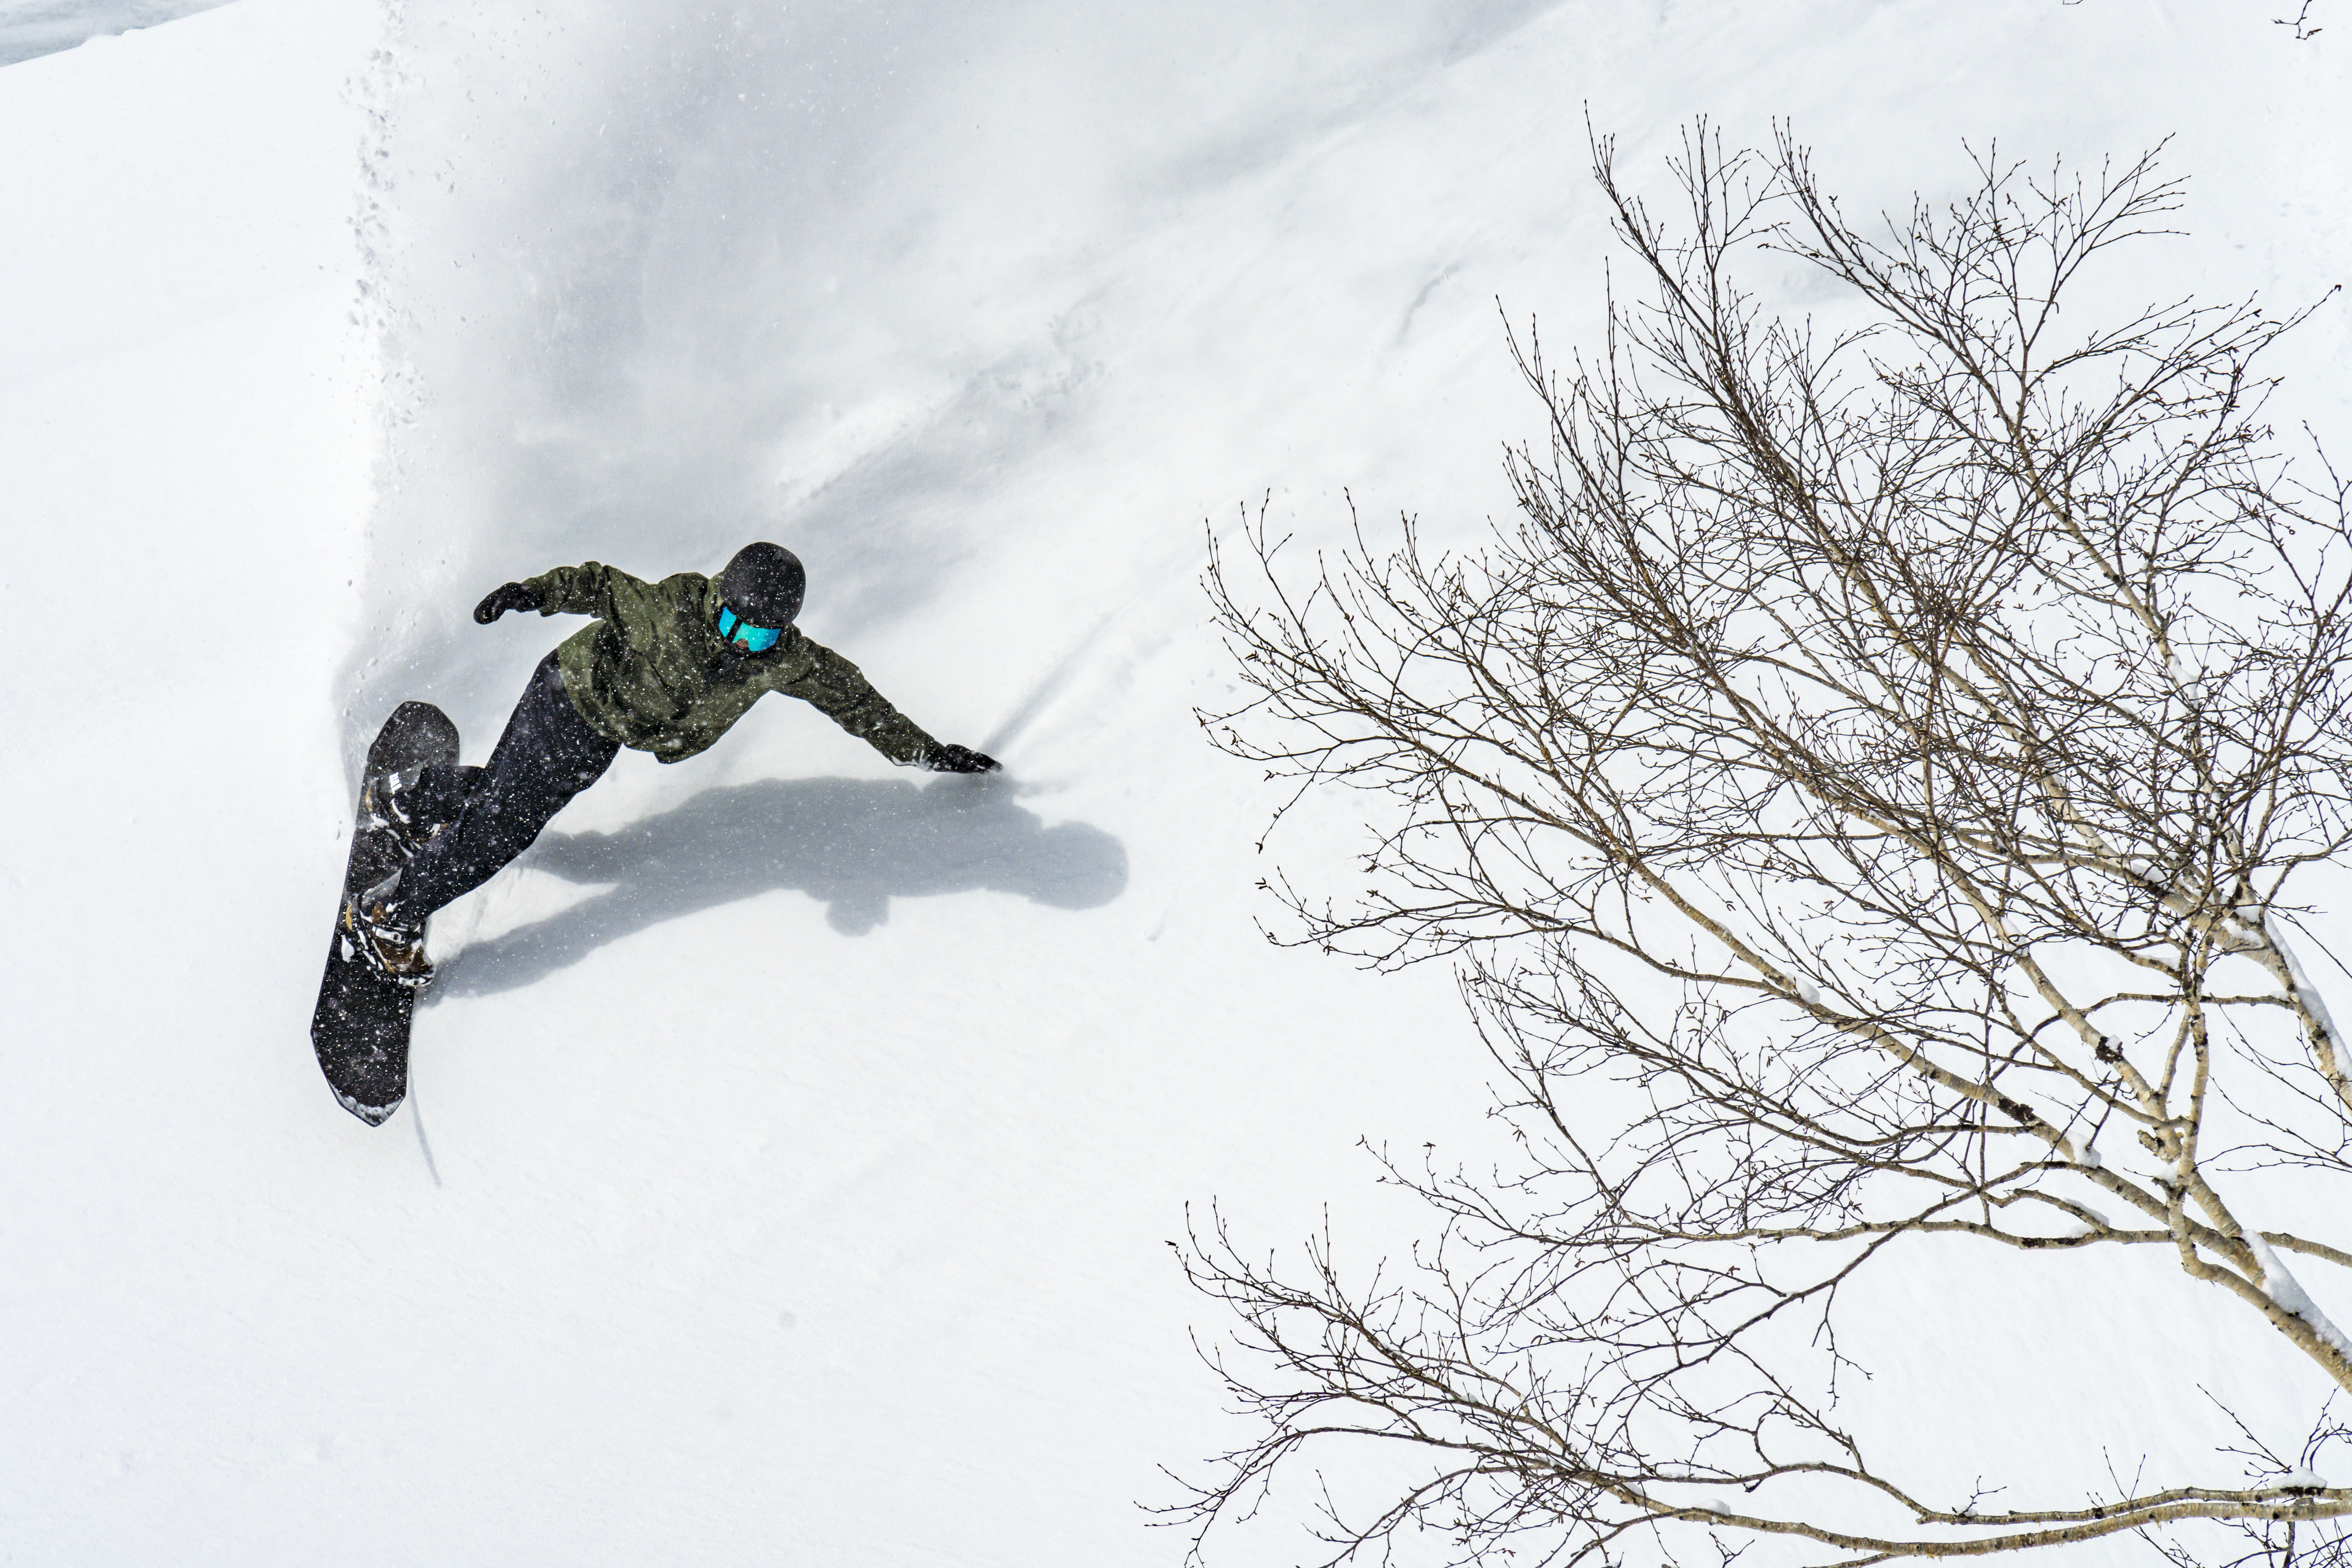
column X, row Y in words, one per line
column 854, row 844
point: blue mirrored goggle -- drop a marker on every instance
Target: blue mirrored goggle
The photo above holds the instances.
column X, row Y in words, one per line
column 750, row 639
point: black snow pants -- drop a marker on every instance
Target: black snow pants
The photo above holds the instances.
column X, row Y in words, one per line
column 547, row 754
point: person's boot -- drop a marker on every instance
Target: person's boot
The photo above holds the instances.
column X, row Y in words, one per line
column 403, row 812
column 388, row 940
column 412, row 808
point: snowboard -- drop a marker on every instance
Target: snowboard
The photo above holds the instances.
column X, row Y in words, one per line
column 360, row 1028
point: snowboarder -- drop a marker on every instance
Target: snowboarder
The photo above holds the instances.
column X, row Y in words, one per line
column 666, row 668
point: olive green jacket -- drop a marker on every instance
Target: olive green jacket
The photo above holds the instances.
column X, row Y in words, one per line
column 654, row 673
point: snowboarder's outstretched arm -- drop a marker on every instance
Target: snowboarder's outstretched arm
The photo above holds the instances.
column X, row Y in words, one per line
column 583, row 589
column 839, row 689
column 946, row 757
column 591, row 588
column 504, row 597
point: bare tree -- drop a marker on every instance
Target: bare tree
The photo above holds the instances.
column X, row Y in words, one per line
column 1861, row 788
column 2305, row 30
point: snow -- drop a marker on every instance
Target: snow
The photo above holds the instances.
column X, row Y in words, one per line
column 2306, row 992
column 795, row 1143
column 30, row 29
column 2281, row 1287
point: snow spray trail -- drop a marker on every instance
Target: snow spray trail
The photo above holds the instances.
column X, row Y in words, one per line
column 658, row 281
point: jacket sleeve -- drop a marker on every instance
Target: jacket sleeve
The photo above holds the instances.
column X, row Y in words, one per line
column 583, row 589
column 835, row 687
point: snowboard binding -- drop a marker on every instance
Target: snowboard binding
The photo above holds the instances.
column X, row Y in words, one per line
column 401, row 811
column 380, row 939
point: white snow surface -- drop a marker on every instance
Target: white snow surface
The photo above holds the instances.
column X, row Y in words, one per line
column 804, row 1136
column 29, row 29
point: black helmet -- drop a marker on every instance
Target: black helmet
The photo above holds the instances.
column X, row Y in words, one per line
column 763, row 586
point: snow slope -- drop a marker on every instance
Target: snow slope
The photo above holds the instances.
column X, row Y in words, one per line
column 796, row 1140
column 30, row 29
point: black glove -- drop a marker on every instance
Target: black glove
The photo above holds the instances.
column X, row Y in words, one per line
column 512, row 596
column 946, row 759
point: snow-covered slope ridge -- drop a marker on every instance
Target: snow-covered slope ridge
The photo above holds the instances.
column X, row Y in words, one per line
column 30, row 29
column 804, row 1136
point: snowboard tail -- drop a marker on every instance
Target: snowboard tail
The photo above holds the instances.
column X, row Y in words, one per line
column 360, row 1027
